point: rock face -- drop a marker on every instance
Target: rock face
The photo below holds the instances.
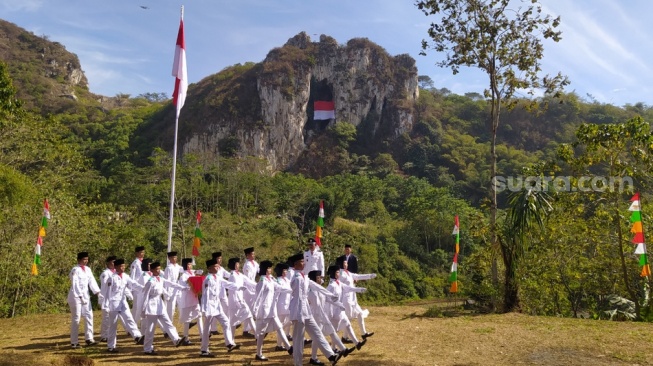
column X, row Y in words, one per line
column 41, row 69
column 266, row 109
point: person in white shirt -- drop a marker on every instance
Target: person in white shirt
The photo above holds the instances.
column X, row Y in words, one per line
column 117, row 290
column 239, row 310
column 212, row 307
column 265, row 309
column 250, row 270
column 135, row 273
column 189, row 305
column 79, row 300
column 171, row 273
column 282, row 302
column 313, row 258
column 223, row 273
column 317, row 302
column 352, row 308
column 154, row 309
column 302, row 317
column 104, row 276
column 337, row 314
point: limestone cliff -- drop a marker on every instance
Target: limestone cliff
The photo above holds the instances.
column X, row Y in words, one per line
column 266, row 109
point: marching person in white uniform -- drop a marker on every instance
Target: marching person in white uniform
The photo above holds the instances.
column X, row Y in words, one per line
column 223, row 273
column 352, row 309
column 301, row 316
column 171, row 273
column 189, row 305
column 117, row 290
column 282, row 302
column 135, row 273
column 317, row 301
column 337, row 314
column 154, row 309
column 102, row 301
column 79, row 300
column 239, row 311
column 265, row 309
column 250, row 270
column 212, row 307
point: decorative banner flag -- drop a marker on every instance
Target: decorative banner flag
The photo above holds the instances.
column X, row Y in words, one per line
column 324, row 110
column 179, row 68
column 39, row 238
column 638, row 237
column 320, row 225
column 198, row 235
column 453, row 278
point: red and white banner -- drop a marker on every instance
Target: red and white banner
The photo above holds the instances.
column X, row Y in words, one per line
column 179, row 70
column 324, row 110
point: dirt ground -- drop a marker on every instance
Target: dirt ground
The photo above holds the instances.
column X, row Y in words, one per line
column 403, row 336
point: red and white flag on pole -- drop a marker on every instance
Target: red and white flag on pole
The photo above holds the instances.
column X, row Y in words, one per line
column 179, row 69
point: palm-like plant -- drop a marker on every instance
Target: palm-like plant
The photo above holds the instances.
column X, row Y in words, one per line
column 528, row 210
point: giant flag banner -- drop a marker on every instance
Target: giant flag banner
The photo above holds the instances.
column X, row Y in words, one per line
column 453, row 278
column 324, row 110
column 638, row 234
column 39, row 238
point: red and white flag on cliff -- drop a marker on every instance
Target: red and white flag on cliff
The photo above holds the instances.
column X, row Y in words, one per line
column 324, row 110
column 179, row 69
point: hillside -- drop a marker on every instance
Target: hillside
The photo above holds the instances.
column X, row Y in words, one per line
column 402, row 337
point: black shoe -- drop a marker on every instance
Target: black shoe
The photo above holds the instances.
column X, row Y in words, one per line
column 346, row 340
column 206, row 354
column 191, row 324
column 315, row 362
column 308, row 341
column 180, row 341
column 74, row 345
column 166, row 336
column 360, row 344
column 103, row 340
column 186, row 342
column 214, row 332
column 151, row 353
column 280, row 348
column 347, row 351
column 90, row 342
column 140, row 340
column 238, row 326
column 248, row 335
column 262, row 358
column 289, row 337
column 232, row 347
column 367, row 335
column 290, row 350
column 112, row 350
column 334, row 359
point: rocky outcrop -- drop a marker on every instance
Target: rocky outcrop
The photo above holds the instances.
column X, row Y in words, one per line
column 370, row 89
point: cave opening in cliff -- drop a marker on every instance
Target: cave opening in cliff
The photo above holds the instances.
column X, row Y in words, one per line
column 320, row 109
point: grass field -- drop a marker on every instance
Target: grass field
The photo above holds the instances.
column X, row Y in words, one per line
column 403, row 337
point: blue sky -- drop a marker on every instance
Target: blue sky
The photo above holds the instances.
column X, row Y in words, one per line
column 606, row 49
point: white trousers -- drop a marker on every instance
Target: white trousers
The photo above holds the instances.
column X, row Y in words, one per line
column 127, row 321
column 77, row 311
column 165, row 324
column 226, row 329
column 313, row 330
column 225, row 306
column 171, row 305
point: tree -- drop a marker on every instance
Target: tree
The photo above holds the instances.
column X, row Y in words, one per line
column 506, row 44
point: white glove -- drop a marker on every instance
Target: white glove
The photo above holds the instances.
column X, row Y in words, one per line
column 84, row 302
column 373, row 275
column 363, row 289
column 100, row 298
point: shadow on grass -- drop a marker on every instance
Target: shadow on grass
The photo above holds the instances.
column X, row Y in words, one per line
column 437, row 312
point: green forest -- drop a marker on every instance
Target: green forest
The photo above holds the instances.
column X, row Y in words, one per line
column 394, row 202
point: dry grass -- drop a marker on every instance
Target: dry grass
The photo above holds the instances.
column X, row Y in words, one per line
column 403, row 337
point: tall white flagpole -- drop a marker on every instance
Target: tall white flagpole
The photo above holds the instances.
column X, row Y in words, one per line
column 181, row 85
